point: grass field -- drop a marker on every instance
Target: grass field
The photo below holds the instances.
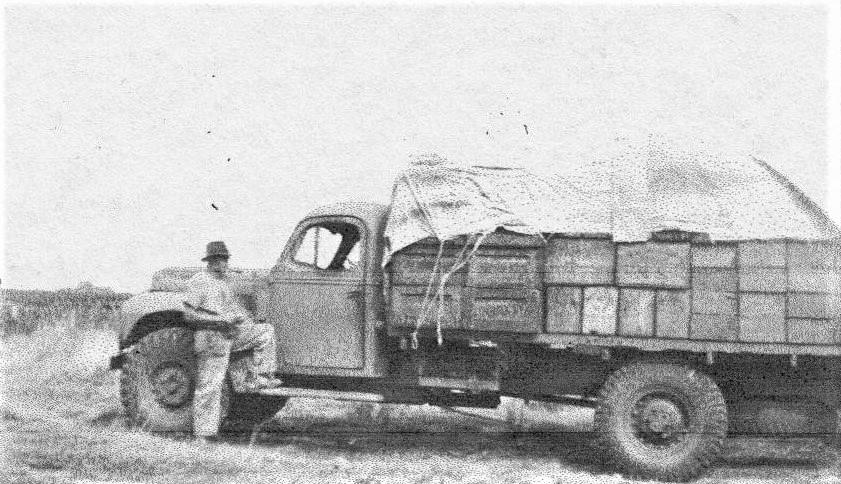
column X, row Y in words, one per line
column 62, row 422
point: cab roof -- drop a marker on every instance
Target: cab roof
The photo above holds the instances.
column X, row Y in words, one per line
column 371, row 213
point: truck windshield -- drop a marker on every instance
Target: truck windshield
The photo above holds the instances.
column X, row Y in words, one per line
column 330, row 246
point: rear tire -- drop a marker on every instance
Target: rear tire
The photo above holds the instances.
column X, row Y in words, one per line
column 157, row 382
column 661, row 421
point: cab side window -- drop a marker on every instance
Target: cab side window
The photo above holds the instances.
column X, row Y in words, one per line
column 329, row 246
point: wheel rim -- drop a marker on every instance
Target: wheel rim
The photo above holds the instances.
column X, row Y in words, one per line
column 171, row 385
column 660, row 421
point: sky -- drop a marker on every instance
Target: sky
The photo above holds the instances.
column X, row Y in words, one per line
column 125, row 126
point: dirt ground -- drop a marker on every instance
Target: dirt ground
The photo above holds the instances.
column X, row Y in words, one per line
column 61, row 422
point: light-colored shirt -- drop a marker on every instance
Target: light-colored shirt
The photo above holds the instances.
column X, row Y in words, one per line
column 204, row 291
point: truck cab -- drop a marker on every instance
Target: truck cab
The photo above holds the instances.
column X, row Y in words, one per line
column 324, row 294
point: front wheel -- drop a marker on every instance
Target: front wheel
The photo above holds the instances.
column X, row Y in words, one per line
column 661, row 421
column 158, row 380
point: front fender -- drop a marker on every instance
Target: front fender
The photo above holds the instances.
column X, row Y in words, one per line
column 145, row 304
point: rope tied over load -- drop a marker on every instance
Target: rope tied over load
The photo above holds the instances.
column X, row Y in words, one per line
column 438, row 280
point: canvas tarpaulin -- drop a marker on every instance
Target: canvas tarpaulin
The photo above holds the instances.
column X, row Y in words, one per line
column 645, row 190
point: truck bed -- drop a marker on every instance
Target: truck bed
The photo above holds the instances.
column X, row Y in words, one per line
column 677, row 291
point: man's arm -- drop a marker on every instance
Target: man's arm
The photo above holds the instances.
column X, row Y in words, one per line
column 199, row 318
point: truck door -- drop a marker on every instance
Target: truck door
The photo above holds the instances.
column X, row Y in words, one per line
column 317, row 298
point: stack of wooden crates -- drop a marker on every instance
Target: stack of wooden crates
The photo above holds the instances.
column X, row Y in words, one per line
column 680, row 288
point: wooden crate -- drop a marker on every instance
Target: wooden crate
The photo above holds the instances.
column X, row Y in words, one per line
column 762, row 279
column 714, row 316
column 817, row 306
column 416, row 268
column 563, row 309
column 715, row 279
column 673, row 314
column 504, row 267
column 814, row 255
column 721, row 256
column 579, row 261
column 653, row 264
column 769, row 253
column 714, row 302
column 636, row 312
column 814, row 267
column 599, row 310
column 814, row 280
column 813, row 331
column 716, row 327
column 508, row 310
column 407, row 302
column 762, row 318
column 762, row 266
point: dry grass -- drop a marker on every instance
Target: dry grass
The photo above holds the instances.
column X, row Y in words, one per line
column 62, row 422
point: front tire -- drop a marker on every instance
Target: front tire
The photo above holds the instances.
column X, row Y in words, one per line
column 158, row 380
column 661, row 421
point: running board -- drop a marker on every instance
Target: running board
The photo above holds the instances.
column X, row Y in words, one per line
column 323, row 394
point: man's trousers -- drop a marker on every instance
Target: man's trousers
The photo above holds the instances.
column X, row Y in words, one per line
column 213, row 350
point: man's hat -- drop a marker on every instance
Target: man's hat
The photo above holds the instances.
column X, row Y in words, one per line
column 216, row 249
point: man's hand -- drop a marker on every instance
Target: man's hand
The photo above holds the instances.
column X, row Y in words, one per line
column 228, row 328
column 202, row 319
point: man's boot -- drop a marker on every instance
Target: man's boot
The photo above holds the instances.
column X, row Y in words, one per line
column 268, row 382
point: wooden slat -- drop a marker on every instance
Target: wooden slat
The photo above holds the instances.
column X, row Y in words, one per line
column 762, row 279
column 497, row 267
column 714, row 302
column 600, row 310
column 408, row 300
column 563, row 309
column 718, row 255
column 511, row 239
column 762, row 318
column 653, row 264
column 716, row 327
column 716, row 279
column 416, row 268
column 813, row 331
column 814, row 280
column 814, row 255
column 579, row 261
column 714, row 316
column 802, row 305
column 762, row 254
column 636, row 312
column 673, row 312
column 510, row 310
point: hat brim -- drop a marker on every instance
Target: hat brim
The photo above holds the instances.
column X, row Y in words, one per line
column 216, row 256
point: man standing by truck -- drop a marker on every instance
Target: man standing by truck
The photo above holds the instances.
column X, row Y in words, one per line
column 223, row 326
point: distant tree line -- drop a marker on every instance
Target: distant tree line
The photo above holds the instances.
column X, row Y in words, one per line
column 85, row 306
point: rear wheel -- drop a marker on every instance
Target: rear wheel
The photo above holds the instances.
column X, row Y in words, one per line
column 661, row 421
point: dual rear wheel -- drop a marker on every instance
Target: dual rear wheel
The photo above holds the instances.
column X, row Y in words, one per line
column 661, row 421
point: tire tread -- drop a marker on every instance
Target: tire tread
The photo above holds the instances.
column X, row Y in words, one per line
column 622, row 382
